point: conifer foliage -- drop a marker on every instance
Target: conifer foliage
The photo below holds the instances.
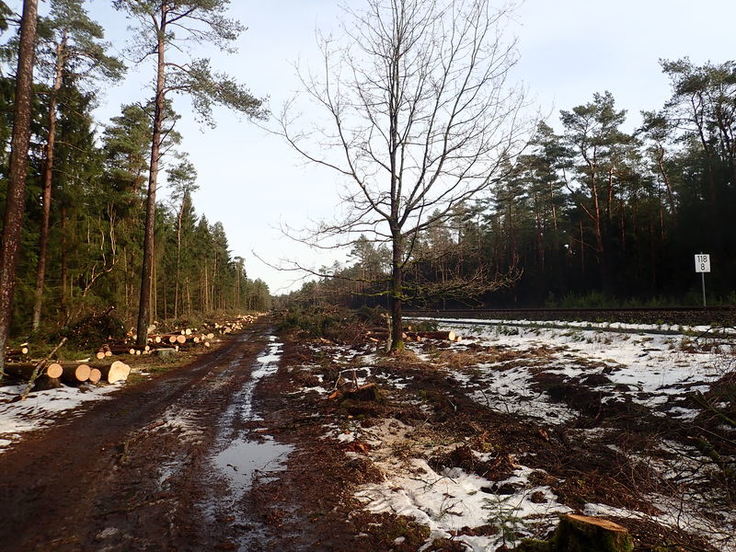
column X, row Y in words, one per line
column 76, row 215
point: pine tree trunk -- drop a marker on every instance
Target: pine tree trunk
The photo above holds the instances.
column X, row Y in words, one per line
column 48, row 172
column 64, row 270
column 148, row 241
column 16, row 190
column 177, row 284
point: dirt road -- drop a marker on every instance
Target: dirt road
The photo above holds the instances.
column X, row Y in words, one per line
column 158, row 467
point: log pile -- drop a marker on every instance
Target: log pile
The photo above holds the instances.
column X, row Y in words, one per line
column 177, row 338
column 70, row 373
column 106, row 370
column 17, row 354
column 382, row 334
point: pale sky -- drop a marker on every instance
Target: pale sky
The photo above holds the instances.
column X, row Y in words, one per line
column 252, row 182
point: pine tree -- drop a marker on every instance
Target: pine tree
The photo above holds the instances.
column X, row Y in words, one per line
column 163, row 25
column 15, row 198
column 73, row 52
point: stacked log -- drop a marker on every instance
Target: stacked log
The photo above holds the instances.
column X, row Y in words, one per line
column 117, row 371
column 180, row 338
column 25, row 371
column 382, row 334
column 95, row 375
column 75, row 373
column 44, row 383
column 18, row 352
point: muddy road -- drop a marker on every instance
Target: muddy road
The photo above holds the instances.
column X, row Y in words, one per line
column 163, row 465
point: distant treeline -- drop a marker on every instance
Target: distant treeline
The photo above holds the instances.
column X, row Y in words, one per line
column 590, row 214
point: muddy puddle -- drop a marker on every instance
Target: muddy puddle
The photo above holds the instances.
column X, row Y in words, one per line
column 243, row 461
column 243, row 456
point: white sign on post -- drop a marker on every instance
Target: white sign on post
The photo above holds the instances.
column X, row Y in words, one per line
column 702, row 263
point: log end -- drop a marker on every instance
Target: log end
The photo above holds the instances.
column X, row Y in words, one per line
column 54, row 370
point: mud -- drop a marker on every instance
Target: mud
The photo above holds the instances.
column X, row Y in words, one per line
column 131, row 473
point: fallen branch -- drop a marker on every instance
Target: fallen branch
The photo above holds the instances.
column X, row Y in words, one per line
column 24, row 394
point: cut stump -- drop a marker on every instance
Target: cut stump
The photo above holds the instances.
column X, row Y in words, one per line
column 577, row 533
column 368, row 392
column 582, row 533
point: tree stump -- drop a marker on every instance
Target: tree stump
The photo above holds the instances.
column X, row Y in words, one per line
column 583, row 534
column 367, row 392
column 586, row 534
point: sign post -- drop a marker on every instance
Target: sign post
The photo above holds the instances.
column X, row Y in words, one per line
column 702, row 265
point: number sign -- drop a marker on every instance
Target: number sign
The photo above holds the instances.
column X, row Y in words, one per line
column 702, row 263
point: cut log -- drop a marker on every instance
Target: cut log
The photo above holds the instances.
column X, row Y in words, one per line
column 181, row 339
column 44, row 383
column 100, row 355
column 95, row 375
column 449, row 336
column 24, row 371
column 119, row 349
column 117, row 371
column 75, row 373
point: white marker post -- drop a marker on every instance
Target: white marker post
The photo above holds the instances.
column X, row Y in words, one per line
column 702, row 265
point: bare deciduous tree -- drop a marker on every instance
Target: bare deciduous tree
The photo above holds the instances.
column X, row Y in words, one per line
column 420, row 117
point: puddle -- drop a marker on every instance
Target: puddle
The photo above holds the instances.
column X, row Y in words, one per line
column 244, row 460
column 266, row 364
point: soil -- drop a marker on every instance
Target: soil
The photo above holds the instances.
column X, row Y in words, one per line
column 140, row 472
column 116, row 476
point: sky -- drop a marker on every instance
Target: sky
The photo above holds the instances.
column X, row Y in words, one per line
column 253, row 183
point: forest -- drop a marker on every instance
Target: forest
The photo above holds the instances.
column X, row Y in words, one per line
column 589, row 214
column 154, row 396
column 84, row 210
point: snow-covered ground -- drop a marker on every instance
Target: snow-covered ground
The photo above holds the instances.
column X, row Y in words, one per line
column 41, row 409
column 638, row 364
column 648, row 369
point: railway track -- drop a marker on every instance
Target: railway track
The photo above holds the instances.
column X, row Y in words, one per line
column 683, row 316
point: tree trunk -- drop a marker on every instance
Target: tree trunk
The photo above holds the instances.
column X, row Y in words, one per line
column 148, row 242
column 16, row 190
column 43, row 244
column 397, row 330
column 177, row 283
column 63, row 269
